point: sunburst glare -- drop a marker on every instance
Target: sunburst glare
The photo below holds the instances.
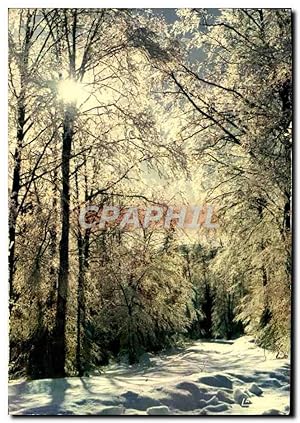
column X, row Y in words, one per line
column 71, row 91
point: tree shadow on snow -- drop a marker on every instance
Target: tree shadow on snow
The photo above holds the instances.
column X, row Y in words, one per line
column 56, row 389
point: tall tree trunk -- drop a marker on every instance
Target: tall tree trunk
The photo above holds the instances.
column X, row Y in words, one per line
column 83, row 255
column 47, row 336
column 59, row 342
column 16, row 184
column 53, row 231
column 266, row 313
column 81, row 304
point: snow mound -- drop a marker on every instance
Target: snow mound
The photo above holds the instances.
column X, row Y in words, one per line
column 153, row 411
column 272, row 412
column 112, row 411
column 214, row 409
column 219, row 381
column 139, row 402
column 256, row 390
column 225, row 397
column 240, row 396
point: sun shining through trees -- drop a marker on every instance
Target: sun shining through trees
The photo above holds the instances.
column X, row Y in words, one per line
column 139, row 116
column 71, row 91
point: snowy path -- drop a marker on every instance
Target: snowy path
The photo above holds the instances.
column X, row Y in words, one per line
column 204, row 378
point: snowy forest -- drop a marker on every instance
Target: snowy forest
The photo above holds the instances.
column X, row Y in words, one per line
column 139, row 108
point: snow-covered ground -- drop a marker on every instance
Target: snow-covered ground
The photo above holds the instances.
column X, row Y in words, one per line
column 220, row 377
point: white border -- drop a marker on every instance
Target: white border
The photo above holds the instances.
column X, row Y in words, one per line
column 4, row 5
column 151, row 3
